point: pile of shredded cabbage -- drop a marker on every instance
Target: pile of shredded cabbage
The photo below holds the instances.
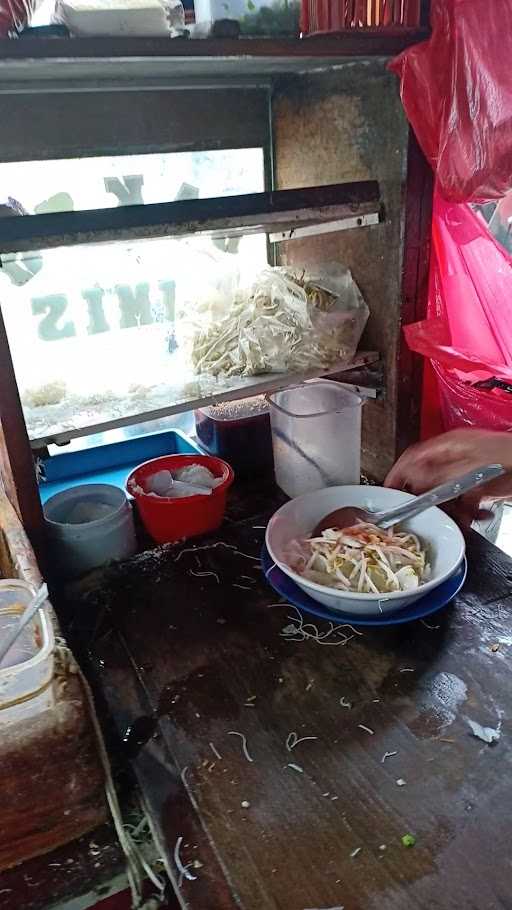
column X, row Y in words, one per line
column 365, row 559
column 283, row 322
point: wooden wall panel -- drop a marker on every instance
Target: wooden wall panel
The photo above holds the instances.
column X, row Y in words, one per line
column 115, row 123
column 343, row 126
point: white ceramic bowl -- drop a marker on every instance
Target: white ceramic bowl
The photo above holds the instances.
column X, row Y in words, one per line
column 297, row 518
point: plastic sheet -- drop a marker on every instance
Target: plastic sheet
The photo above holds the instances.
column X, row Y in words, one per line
column 456, row 89
column 468, row 332
column 141, row 18
column 285, row 320
column 14, row 14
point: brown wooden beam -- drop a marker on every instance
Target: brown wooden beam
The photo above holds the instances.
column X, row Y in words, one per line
column 18, row 450
column 349, row 43
column 415, row 275
column 225, row 215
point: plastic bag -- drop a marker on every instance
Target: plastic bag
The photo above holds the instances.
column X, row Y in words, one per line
column 14, row 14
column 468, row 332
column 456, row 89
column 141, row 18
column 286, row 320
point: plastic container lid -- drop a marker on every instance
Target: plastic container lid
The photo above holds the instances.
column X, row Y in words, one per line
column 243, row 409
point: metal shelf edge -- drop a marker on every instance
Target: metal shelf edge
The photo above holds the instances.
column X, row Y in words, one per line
column 271, row 382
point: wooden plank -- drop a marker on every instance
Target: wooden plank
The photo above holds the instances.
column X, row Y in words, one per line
column 348, row 43
column 6, row 476
column 225, row 216
column 212, row 660
column 51, row 779
column 17, row 558
column 17, row 448
column 415, row 279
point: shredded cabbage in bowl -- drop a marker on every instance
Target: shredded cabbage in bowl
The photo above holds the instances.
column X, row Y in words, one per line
column 365, row 559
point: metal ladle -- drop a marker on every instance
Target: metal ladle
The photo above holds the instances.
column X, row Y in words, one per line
column 348, row 516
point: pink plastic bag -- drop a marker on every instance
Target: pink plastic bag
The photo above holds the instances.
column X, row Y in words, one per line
column 14, row 14
column 456, row 89
column 468, row 332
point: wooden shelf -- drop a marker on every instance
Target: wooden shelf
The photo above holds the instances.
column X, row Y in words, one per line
column 277, row 211
column 74, row 64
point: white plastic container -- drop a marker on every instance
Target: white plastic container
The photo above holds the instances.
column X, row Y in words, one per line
column 316, row 436
column 27, row 670
column 79, row 540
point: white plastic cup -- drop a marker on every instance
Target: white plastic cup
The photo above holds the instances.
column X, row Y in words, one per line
column 316, row 436
column 76, row 548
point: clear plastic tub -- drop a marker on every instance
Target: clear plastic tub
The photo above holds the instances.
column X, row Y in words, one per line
column 316, row 436
column 27, row 670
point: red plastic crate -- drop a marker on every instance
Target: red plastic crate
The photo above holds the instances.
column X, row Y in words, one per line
column 324, row 16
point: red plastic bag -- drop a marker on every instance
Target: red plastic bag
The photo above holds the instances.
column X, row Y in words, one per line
column 14, row 14
column 456, row 89
column 468, row 332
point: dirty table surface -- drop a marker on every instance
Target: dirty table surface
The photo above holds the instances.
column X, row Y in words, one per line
column 77, row 875
column 210, row 700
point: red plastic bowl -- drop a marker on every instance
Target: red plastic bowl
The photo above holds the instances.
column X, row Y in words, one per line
column 170, row 520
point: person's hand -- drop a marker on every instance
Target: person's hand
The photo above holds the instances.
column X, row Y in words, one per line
column 427, row 464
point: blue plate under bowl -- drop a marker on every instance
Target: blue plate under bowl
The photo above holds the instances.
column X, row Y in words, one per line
column 430, row 603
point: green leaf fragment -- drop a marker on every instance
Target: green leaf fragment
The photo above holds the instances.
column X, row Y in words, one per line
column 408, row 840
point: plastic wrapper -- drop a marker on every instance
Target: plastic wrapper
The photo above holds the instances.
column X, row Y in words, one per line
column 15, row 14
column 468, row 332
column 142, row 18
column 287, row 320
column 456, row 91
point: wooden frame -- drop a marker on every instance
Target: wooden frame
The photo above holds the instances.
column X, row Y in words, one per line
column 224, row 216
column 240, row 63
column 252, row 55
column 59, row 742
column 415, row 278
column 17, row 465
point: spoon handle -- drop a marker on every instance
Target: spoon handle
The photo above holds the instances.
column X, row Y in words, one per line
column 436, row 497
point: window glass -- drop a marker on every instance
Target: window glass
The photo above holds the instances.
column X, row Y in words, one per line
column 92, row 328
column 77, row 184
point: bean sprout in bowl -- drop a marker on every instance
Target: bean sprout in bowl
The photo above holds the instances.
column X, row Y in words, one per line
column 434, row 542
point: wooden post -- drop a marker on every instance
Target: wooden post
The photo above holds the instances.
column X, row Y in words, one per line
column 415, row 274
column 20, row 472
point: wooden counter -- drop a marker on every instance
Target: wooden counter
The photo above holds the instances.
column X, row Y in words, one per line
column 205, row 693
column 51, row 778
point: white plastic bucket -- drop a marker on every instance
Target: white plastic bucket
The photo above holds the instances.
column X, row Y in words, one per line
column 79, row 541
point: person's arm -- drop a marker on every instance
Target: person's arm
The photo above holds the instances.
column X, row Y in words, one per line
column 450, row 455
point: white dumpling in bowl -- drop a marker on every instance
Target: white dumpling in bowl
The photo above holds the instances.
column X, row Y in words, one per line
column 407, row 578
column 197, row 474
